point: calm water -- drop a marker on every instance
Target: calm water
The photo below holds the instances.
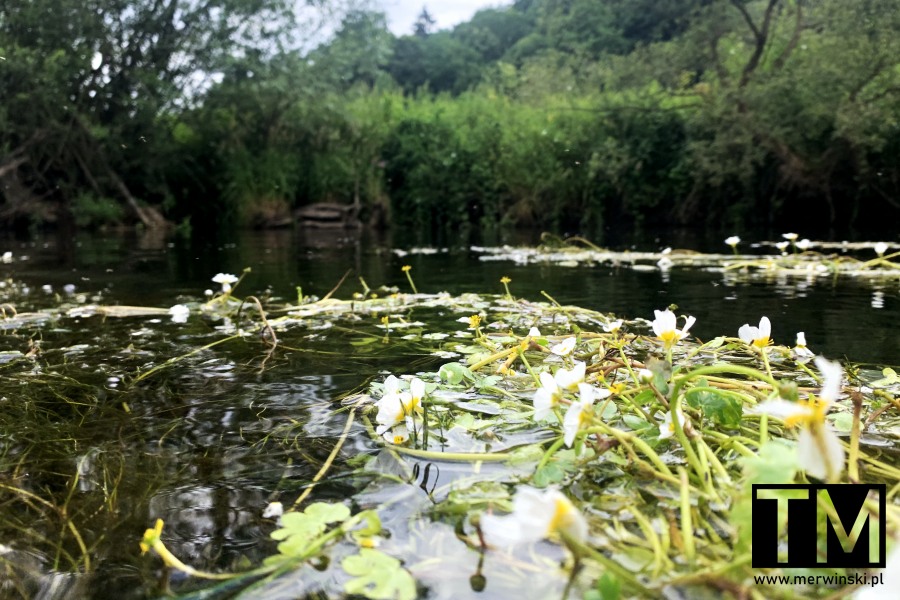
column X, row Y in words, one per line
column 207, row 443
column 847, row 318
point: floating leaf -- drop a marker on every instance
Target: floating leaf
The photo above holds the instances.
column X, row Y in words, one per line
column 454, row 373
column 775, row 463
column 842, row 421
column 890, row 377
column 547, row 475
column 299, row 529
column 378, row 576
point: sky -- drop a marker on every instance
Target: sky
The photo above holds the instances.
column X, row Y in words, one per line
column 401, row 14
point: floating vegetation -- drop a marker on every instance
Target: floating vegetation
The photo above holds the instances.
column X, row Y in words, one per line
column 544, row 451
column 532, row 448
column 793, row 258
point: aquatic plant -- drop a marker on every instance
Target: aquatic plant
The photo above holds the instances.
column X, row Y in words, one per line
column 622, row 440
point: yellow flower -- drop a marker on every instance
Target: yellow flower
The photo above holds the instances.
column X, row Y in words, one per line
column 406, row 268
column 474, row 321
column 505, row 279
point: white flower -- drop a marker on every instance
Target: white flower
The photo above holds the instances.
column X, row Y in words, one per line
column 802, row 354
column 756, row 336
column 645, row 375
column 819, row 451
column 804, row 244
column 790, row 236
column 273, row 510
column 665, row 327
column 578, row 412
column 564, row 348
column 832, row 375
column 536, row 515
column 568, row 379
column 667, row 427
column 398, row 435
column 69, row 288
column 546, row 397
column 612, row 326
column 534, row 332
column 226, row 279
column 208, row 293
column 782, row 246
column 96, row 61
column 733, row 241
column 179, row 313
column 880, row 248
column 7, row 257
column 395, row 406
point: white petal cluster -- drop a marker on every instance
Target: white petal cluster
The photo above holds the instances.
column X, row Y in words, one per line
column 179, row 313
column 665, row 326
column 536, row 515
column 398, row 407
column 756, row 336
column 819, row 451
column 225, row 280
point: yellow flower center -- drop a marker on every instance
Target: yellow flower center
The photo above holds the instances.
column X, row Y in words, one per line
column 562, row 516
column 812, row 416
column 761, row 342
column 669, row 337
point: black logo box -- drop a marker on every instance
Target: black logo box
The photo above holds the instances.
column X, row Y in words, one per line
column 801, row 532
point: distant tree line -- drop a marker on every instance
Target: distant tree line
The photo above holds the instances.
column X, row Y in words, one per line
column 560, row 114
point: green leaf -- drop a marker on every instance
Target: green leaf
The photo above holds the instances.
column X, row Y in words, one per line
column 843, row 422
column 720, row 407
column 547, row 475
column 372, row 526
column 300, row 529
column 454, row 373
column 608, row 587
column 890, row 377
column 775, row 463
column 634, row 422
column 378, row 576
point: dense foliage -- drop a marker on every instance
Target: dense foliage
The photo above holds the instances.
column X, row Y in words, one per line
column 563, row 114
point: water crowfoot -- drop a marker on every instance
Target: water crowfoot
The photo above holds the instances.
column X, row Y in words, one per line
column 758, row 337
column 665, row 326
column 819, row 451
column 536, row 515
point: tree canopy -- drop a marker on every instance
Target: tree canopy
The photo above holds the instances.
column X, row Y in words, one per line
column 558, row 113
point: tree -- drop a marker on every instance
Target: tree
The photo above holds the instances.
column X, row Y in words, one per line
column 87, row 80
column 424, row 24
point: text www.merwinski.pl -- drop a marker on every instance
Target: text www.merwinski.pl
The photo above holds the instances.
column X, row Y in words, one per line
column 827, row 580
